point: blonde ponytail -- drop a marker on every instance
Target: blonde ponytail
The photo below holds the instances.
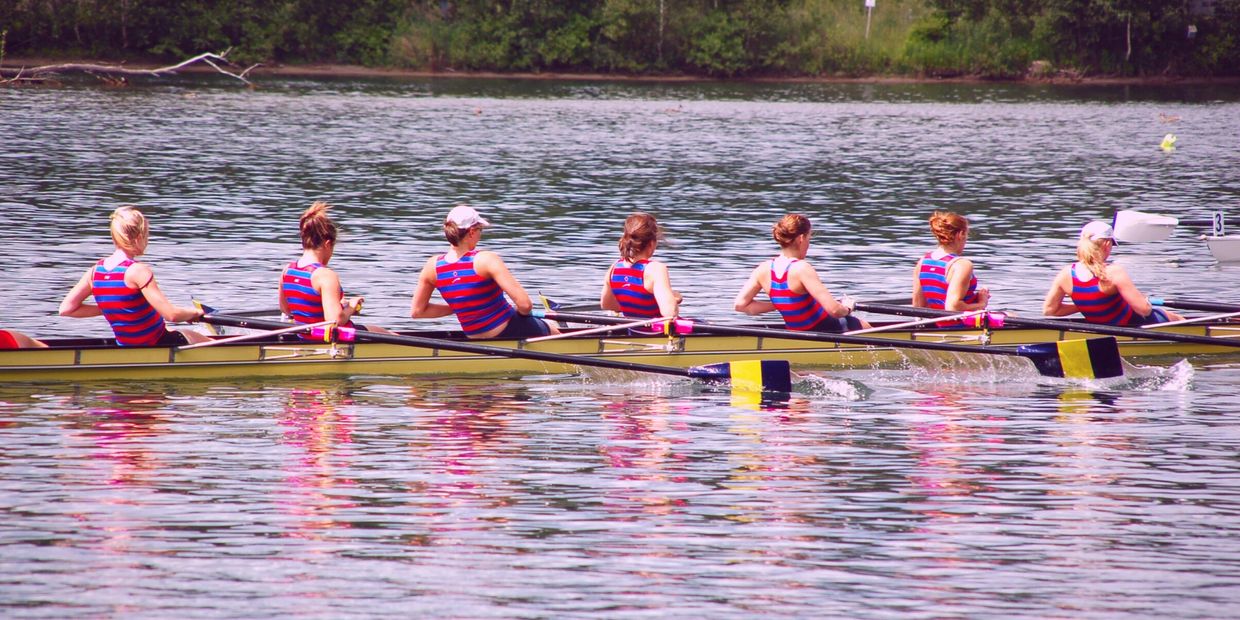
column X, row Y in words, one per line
column 317, row 229
column 130, row 230
column 1092, row 255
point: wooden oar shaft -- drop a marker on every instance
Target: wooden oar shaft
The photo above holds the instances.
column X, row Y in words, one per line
column 462, row 347
column 1062, row 325
column 775, row 332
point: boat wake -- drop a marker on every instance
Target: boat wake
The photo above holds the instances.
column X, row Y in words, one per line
column 830, row 388
column 1175, row 378
column 940, row 367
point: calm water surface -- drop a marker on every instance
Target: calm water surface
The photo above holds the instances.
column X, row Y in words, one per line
column 952, row 488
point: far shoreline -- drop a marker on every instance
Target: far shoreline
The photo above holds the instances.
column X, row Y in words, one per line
column 329, row 70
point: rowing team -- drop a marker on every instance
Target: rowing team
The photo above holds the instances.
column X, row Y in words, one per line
column 489, row 302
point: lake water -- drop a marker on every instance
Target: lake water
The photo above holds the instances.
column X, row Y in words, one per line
column 952, row 488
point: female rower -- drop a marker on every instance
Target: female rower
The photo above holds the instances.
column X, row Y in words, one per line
column 944, row 280
column 473, row 284
column 636, row 286
column 310, row 292
column 794, row 287
column 10, row 339
column 126, row 293
column 1103, row 293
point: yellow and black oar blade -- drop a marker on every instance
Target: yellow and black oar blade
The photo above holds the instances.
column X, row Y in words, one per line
column 1093, row 358
column 211, row 328
column 754, row 375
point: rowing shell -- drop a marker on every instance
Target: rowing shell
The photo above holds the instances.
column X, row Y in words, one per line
column 98, row 360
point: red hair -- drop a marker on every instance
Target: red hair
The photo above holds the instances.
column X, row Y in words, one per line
column 640, row 232
column 789, row 228
column 946, row 225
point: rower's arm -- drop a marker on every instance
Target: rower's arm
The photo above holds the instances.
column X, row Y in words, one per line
column 335, row 306
column 490, row 265
column 745, row 301
column 140, row 276
column 283, row 299
column 919, row 298
column 74, row 304
column 958, row 276
column 661, row 286
column 808, row 277
column 607, row 299
column 1054, row 305
column 422, row 306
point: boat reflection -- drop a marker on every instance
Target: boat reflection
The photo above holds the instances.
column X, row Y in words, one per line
column 644, row 435
column 946, row 443
column 776, row 459
column 124, row 428
column 318, row 424
column 464, row 457
column 119, row 435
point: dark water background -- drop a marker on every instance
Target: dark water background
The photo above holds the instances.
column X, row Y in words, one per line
column 951, row 488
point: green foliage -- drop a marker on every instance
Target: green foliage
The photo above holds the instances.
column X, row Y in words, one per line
column 717, row 45
column 931, row 29
column 725, row 38
column 989, row 47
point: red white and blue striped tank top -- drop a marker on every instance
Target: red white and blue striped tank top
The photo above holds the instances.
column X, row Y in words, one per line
column 801, row 312
column 133, row 319
column 628, row 286
column 933, row 277
column 305, row 305
column 478, row 302
column 1099, row 307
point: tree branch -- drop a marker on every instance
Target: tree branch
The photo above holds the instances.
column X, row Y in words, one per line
column 116, row 71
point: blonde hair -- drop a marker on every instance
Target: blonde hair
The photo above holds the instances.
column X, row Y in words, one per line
column 946, row 225
column 129, row 229
column 317, row 229
column 640, row 232
column 789, row 228
column 1091, row 254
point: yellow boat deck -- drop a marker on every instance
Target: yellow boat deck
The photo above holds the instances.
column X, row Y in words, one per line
column 95, row 359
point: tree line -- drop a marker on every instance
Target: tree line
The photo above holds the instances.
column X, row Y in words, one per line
column 724, row 38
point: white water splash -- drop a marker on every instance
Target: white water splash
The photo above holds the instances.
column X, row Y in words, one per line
column 832, row 388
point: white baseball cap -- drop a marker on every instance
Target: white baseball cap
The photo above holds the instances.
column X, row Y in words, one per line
column 465, row 216
column 1097, row 230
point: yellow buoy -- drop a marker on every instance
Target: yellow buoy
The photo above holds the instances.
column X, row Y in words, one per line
column 1168, row 143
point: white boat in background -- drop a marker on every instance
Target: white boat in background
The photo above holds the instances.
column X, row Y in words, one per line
column 1225, row 249
column 1137, row 227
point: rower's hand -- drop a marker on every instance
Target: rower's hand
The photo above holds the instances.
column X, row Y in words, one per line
column 983, row 296
column 849, row 303
column 355, row 304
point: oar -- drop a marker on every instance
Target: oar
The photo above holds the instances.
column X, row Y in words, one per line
column 1083, row 359
column 1188, row 304
column 765, row 375
column 1135, row 226
column 1062, row 325
column 596, row 330
column 266, row 334
column 894, row 326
